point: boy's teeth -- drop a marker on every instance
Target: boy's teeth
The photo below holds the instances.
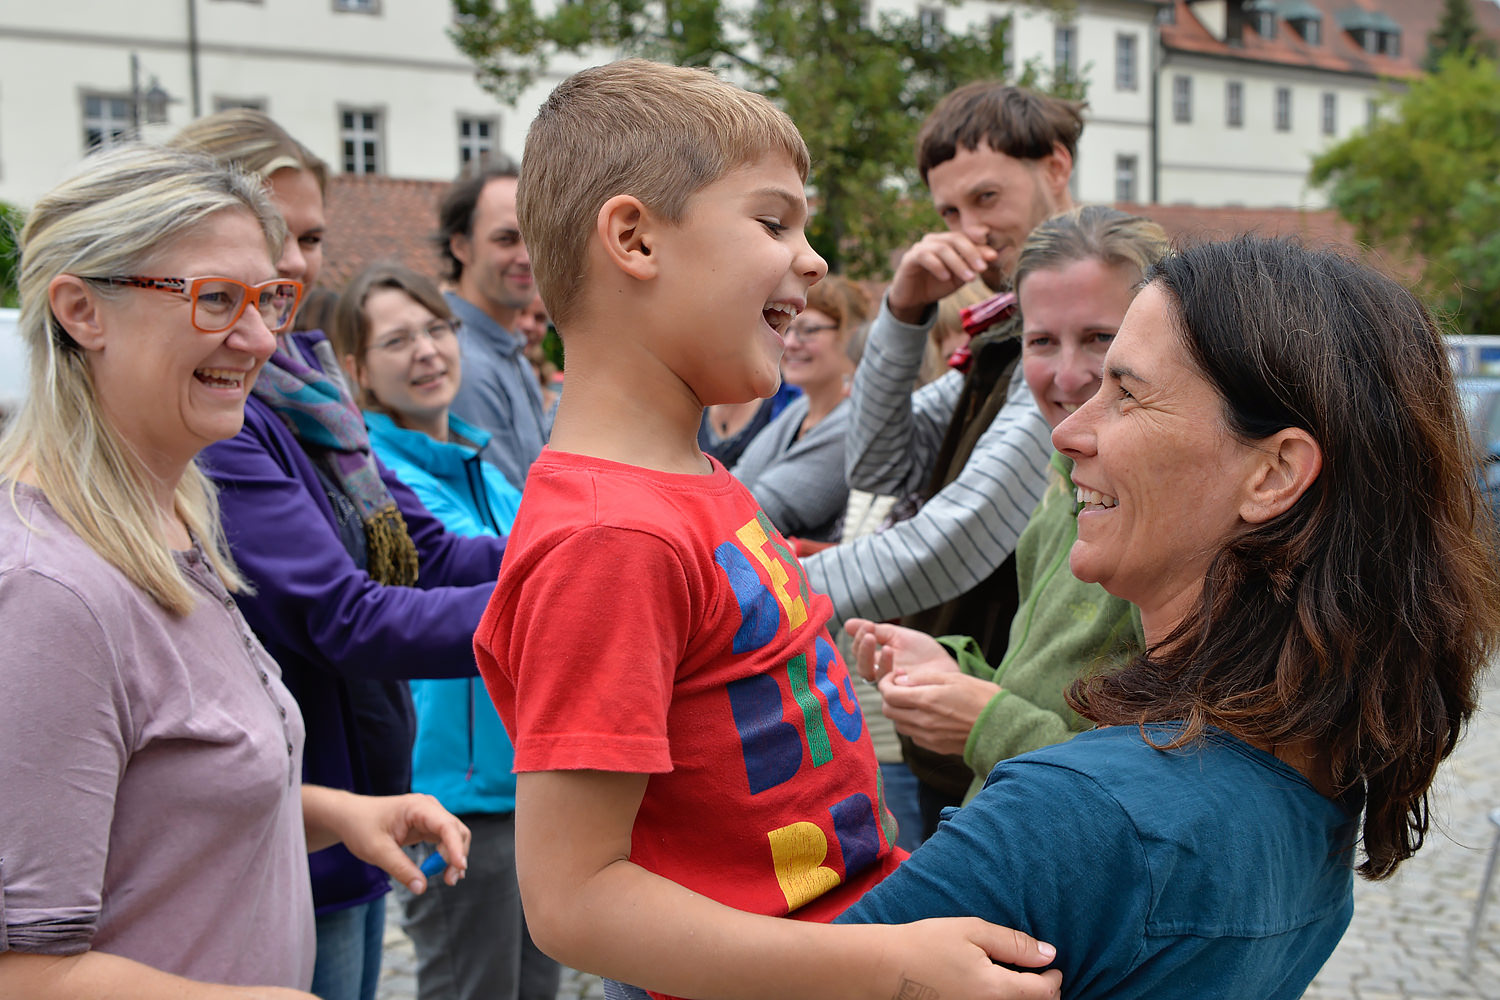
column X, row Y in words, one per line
column 1087, row 497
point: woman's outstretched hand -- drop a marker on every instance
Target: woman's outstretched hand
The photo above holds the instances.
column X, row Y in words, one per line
column 375, row 827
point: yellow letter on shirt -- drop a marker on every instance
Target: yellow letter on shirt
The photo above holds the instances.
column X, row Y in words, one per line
column 754, row 538
column 798, row 851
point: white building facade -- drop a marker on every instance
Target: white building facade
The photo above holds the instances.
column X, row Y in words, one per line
column 371, row 86
column 1188, row 103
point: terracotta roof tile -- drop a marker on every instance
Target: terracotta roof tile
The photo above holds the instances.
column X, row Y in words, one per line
column 1336, row 50
column 1317, row 229
column 374, row 219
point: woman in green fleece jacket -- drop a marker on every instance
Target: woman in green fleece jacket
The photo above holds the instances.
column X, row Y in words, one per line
column 1076, row 276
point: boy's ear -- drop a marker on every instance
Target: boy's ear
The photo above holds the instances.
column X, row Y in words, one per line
column 623, row 225
column 1290, row 461
column 76, row 308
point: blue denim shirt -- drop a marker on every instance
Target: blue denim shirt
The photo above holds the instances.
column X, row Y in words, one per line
column 499, row 392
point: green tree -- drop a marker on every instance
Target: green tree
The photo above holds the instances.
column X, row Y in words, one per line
column 11, row 219
column 1457, row 31
column 858, row 89
column 1424, row 176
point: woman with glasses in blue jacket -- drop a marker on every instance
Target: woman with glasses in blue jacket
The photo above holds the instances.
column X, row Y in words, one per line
column 398, row 343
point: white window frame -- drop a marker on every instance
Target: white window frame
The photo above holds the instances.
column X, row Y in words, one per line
column 1127, row 177
column 1182, row 99
column 1234, row 104
column 1127, row 60
column 358, row 134
column 1330, row 116
column 1283, row 109
column 931, row 20
column 473, row 150
column 111, row 131
column 1065, row 51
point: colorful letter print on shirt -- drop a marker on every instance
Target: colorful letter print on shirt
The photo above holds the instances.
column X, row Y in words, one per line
column 655, row 623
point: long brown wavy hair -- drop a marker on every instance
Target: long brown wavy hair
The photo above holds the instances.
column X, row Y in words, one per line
column 1358, row 621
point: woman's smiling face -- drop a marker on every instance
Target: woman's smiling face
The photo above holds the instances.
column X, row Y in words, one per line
column 1162, row 480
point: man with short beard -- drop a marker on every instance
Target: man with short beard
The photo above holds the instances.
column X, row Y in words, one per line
column 491, row 283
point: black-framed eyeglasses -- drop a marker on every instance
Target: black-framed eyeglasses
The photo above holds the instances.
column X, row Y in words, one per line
column 219, row 302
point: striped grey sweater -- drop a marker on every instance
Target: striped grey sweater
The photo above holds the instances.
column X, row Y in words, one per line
column 962, row 534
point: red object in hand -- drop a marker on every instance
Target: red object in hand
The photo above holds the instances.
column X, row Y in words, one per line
column 978, row 318
column 981, row 316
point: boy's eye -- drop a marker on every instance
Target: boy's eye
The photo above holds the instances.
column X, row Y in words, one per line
column 775, row 227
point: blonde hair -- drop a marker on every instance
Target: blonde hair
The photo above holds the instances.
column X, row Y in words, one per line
column 250, row 140
column 659, row 133
column 1091, row 232
column 115, row 214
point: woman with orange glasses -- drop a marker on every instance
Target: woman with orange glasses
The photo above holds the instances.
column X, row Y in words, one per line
column 154, row 820
column 357, row 588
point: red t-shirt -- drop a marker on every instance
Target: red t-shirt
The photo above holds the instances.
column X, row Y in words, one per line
column 654, row 623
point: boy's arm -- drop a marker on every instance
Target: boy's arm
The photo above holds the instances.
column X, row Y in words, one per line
column 589, row 906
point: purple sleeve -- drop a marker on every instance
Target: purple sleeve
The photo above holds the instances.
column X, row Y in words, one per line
column 311, row 599
column 64, row 734
column 447, row 559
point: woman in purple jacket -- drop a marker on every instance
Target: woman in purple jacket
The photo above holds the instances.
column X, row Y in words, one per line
column 357, row 587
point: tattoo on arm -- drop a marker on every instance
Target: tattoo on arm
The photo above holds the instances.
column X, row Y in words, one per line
column 914, row 991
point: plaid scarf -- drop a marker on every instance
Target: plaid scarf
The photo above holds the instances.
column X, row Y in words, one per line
column 321, row 415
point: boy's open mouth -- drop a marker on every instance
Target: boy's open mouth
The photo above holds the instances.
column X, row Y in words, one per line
column 779, row 315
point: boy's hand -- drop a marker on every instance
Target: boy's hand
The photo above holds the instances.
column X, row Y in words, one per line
column 953, row 958
column 937, row 266
column 880, row 648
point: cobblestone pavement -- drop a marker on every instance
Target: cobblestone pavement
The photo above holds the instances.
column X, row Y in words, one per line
column 1407, row 938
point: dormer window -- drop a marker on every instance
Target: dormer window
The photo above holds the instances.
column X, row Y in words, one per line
column 1372, row 31
column 1261, row 15
column 1305, row 19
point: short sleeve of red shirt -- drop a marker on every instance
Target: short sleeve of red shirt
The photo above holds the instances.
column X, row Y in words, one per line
column 599, row 656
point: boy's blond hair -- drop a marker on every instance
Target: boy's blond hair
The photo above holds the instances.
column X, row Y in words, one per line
column 660, row 133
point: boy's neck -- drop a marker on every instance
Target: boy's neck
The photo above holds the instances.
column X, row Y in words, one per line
column 627, row 409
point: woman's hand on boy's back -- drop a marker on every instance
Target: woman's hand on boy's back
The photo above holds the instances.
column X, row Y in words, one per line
column 954, row 957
